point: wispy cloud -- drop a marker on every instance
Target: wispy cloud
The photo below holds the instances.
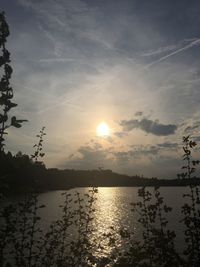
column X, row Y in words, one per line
column 159, row 51
column 196, row 42
column 55, row 60
column 173, row 47
column 78, row 62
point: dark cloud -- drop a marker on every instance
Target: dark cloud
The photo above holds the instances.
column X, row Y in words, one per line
column 90, row 157
column 120, row 134
column 168, row 145
column 192, row 128
column 138, row 113
column 144, row 151
column 147, row 151
column 197, row 138
column 121, row 157
column 141, row 151
column 154, row 149
column 149, row 126
column 94, row 155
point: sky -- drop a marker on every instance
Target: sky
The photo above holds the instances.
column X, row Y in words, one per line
column 133, row 64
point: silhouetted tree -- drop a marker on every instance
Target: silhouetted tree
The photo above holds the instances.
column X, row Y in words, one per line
column 6, row 91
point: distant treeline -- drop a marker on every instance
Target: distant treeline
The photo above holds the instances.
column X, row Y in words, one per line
column 21, row 173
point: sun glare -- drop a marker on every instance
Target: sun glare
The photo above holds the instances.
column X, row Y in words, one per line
column 103, row 129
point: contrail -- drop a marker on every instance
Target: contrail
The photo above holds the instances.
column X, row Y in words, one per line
column 196, row 42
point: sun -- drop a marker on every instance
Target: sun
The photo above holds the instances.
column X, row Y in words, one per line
column 103, row 129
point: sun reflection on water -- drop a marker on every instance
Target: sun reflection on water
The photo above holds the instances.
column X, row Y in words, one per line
column 107, row 204
column 107, row 220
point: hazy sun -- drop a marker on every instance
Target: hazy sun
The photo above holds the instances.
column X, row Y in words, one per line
column 103, row 129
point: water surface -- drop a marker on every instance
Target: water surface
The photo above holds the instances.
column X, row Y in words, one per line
column 113, row 209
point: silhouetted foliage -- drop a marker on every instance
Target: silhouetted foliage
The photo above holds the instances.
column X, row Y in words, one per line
column 6, row 91
column 191, row 209
column 38, row 146
column 156, row 247
column 66, row 242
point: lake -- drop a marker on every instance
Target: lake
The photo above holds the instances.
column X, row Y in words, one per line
column 113, row 210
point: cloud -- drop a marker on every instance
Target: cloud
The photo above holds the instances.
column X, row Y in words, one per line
column 55, row 60
column 136, row 159
column 181, row 44
column 87, row 68
column 168, row 145
column 179, row 50
column 73, row 19
column 197, row 138
column 159, row 51
column 138, row 113
column 144, row 151
column 192, row 128
column 89, row 157
column 149, row 126
column 120, row 134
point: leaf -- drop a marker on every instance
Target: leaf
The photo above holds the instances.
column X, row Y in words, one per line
column 16, row 123
column 9, row 105
column 192, row 144
column 1, row 139
column 3, row 118
column 21, row 121
column 186, row 138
